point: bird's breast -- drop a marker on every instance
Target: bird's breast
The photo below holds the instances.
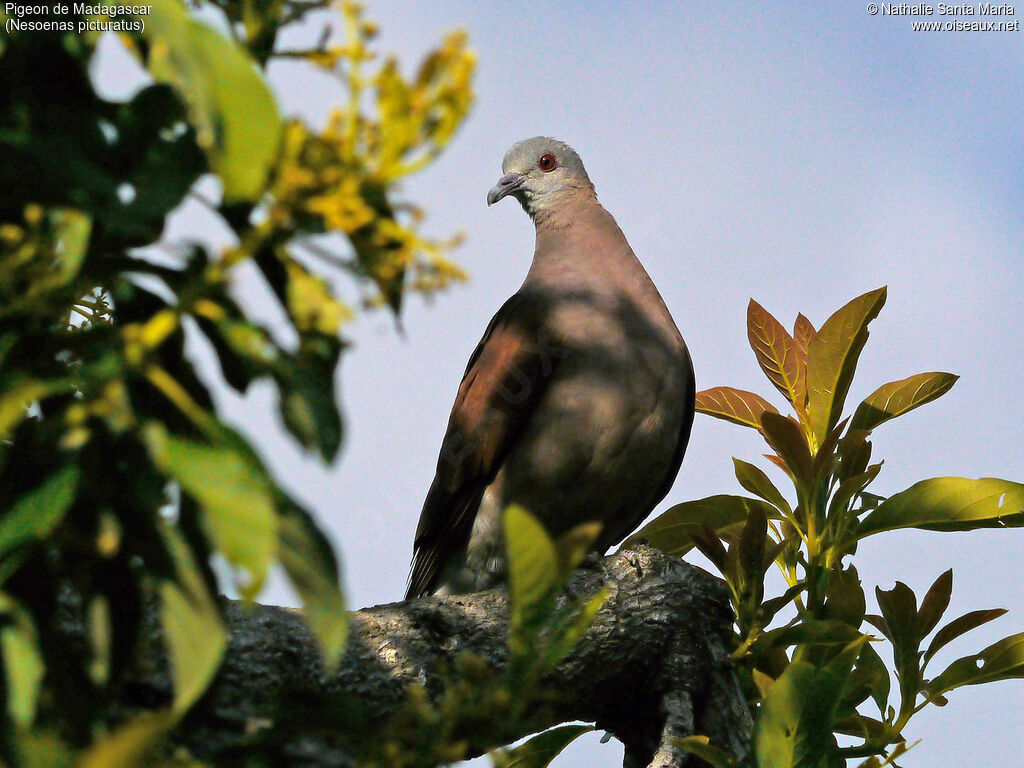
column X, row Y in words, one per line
column 608, row 422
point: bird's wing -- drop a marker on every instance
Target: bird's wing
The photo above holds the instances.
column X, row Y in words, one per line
column 505, row 378
column 684, row 433
column 613, row 535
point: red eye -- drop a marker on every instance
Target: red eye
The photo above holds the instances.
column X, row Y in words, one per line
column 547, row 162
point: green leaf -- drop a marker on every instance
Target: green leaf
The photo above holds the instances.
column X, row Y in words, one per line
column 311, row 304
column 790, row 443
column 35, row 514
column 841, row 665
column 193, row 631
column 832, row 358
column 897, row 397
column 771, row 607
column 949, row 504
column 539, row 751
column 899, row 610
column 861, row 726
column 236, row 118
column 876, row 674
column 773, row 348
column 735, row 405
column 565, row 638
column 854, row 453
column 41, row 747
column 245, row 351
column 898, row 750
column 130, row 744
column 156, row 143
column 16, row 396
column 71, row 230
column 308, row 560
column 702, row 747
column 1002, row 660
column 533, row 573
column 844, row 598
column 573, row 545
column 100, row 640
column 849, row 488
column 23, row 666
column 235, row 494
column 812, row 632
column 672, row 531
column 960, row 626
column 308, row 404
column 794, row 728
column 754, row 479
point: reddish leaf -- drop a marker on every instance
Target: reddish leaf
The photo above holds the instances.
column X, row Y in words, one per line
column 773, row 348
column 803, row 332
column 735, row 405
column 751, row 547
column 779, row 462
column 824, row 457
column 934, row 603
column 785, row 436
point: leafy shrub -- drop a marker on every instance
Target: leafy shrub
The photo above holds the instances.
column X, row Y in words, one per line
column 811, row 677
column 118, row 480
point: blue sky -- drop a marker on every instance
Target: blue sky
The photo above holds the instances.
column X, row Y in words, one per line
column 799, row 153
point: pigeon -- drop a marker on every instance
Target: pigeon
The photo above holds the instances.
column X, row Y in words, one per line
column 576, row 404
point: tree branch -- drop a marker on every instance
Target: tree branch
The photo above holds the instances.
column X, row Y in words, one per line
column 652, row 668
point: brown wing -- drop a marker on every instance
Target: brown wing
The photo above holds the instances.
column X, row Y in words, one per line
column 506, row 376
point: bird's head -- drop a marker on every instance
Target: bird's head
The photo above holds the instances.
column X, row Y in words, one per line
column 540, row 173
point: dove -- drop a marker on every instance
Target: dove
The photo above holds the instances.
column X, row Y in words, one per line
column 578, row 401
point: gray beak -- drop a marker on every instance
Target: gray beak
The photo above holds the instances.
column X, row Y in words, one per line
column 506, row 185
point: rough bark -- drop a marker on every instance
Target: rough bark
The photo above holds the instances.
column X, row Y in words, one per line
column 652, row 668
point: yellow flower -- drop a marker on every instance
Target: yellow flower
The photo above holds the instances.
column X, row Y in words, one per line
column 343, row 208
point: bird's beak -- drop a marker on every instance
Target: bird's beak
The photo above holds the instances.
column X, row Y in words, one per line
column 506, row 185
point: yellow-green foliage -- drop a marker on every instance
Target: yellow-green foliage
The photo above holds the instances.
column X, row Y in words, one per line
column 804, row 656
column 118, row 477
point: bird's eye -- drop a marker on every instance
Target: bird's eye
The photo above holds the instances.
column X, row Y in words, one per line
column 547, row 162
